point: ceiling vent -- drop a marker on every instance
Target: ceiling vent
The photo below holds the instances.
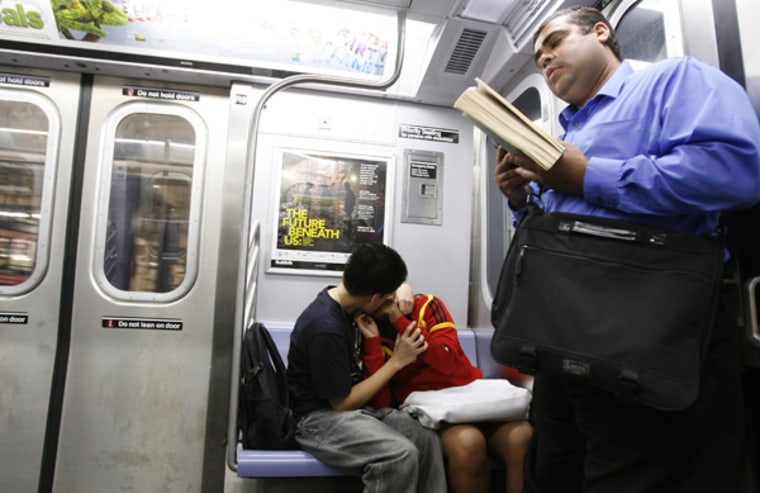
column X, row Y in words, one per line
column 464, row 52
column 521, row 23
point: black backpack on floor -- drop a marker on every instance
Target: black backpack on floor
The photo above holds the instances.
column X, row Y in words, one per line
column 266, row 420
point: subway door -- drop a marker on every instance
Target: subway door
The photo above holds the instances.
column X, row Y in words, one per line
column 134, row 413
column 38, row 112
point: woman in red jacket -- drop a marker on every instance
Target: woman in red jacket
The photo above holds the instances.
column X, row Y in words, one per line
column 444, row 364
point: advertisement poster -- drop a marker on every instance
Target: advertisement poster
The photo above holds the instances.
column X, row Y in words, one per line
column 271, row 34
column 327, row 204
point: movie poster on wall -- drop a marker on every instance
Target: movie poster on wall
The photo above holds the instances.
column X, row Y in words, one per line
column 327, row 203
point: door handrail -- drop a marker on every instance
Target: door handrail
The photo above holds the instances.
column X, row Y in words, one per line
column 242, row 315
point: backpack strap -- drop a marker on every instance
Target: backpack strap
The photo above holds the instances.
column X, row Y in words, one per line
column 279, row 365
column 439, row 325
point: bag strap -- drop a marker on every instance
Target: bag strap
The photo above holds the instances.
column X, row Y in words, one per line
column 628, row 385
column 439, row 324
column 279, row 365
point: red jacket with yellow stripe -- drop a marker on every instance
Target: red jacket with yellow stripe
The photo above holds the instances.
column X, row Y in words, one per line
column 444, row 364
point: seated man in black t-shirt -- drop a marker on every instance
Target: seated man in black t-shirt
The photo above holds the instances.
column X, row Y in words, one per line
column 386, row 447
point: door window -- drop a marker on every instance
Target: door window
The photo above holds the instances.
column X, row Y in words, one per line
column 649, row 31
column 29, row 128
column 499, row 219
column 148, row 237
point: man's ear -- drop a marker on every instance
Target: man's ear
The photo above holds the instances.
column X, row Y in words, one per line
column 602, row 32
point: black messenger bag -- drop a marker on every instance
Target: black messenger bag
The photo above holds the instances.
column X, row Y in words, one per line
column 626, row 307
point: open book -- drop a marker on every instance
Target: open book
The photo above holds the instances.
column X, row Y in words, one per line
column 507, row 125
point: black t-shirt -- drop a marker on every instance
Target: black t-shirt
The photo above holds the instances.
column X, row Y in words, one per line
column 320, row 358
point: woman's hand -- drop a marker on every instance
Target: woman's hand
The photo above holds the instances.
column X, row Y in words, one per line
column 405, row 299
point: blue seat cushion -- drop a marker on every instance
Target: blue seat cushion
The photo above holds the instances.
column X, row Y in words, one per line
column 283, row 464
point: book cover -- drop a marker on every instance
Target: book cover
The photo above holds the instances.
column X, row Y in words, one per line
column 507, row 125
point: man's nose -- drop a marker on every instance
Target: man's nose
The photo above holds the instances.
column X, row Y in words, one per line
column 543, row 60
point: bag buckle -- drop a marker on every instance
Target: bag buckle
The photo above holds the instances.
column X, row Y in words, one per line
column 527, row 363
column 628, row 385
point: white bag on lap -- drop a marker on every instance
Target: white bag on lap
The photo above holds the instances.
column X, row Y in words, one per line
column 490, row 399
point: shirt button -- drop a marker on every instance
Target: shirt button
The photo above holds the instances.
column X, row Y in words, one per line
column 576, row 124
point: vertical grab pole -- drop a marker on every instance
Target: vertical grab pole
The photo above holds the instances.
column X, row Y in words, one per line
column 242, row 312
column 753, row 328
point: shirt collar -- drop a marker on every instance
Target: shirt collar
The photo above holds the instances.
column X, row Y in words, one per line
column 610, row 89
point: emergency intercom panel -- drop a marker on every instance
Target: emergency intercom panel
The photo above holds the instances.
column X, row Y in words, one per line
column 423, row 187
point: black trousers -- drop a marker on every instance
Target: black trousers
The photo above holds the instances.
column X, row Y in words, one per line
column 587, row 440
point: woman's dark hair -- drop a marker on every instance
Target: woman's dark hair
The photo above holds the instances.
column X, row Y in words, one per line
column 585, row 18
column 373, row 268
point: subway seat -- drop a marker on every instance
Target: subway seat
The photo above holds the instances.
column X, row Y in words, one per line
column 298, row 463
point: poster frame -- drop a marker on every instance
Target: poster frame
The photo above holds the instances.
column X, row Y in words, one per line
column 284, row 259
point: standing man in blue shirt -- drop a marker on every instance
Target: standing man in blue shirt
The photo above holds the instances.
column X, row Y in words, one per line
column 672, row 145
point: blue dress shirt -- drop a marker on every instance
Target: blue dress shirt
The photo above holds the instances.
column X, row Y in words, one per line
column 671, row 145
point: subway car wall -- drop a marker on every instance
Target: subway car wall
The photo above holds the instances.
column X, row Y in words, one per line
column 115, row 371
column 356, row 130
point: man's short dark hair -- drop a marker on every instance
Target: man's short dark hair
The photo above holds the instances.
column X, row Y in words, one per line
column 373, row 268
column 585, row 18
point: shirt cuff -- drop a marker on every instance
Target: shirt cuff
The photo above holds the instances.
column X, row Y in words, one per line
column 373, row 344
column 600, row 183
